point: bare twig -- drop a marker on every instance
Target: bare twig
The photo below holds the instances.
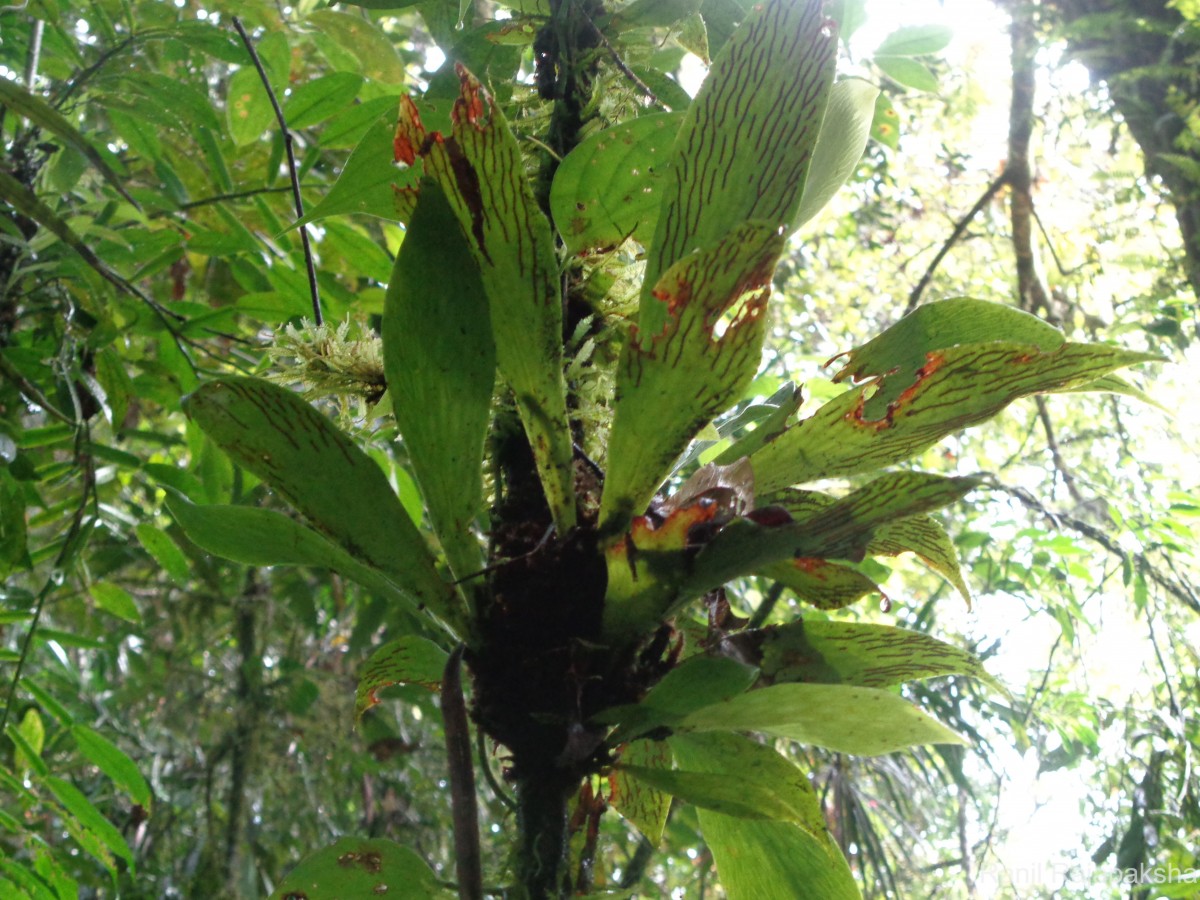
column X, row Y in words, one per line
column 642, row 87
column 291, row 159
column 959, row 229
column 236, row 195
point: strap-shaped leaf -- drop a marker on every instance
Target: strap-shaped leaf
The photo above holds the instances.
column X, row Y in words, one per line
column 858, row 653
column 609, row 187
column 954, row 389
column 925, row 537
column 843, row 530
column 323, row 474
column 672, row 381
column 744, row 148
column 946, row 323
column 741, row 761
column 859, row 720
column 821, row 583
column 920, row 535
column 480, row 167
column 757, row 859
column 264, row 537
column 407, row 660
column 441, row 367
column 653, row 571
column 694, row 684
column 637, row 800
column 647, row 566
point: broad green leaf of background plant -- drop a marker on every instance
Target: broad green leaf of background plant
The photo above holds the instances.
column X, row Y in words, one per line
column 113, row 762
column 481, row 169
column 672, row 382
column 362, row 869
column 955, row 388
column 760, row 860
column 374, row 50
column 858, row 720
column 98, row 836
column 440, row 363
column 654, row 13
column 248, row 111
column 744, row 147
column 908, row 73
column 840, row 144
column 264, row 537
column 164, row 551
column 368, row 179
column 609, row 187
column 885, row 126
column 319, row 99
column 858, row 653
column 915, row 40
column 37, row 111
column 407, row 660
column 323, row 474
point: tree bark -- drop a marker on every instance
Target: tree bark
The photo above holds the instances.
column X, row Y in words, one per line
column 1145, row 53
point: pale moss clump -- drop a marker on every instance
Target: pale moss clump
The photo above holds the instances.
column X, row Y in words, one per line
column 594, row 348
column 344, row 362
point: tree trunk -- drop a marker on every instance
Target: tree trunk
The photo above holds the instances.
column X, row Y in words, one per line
column 1146, row 55
column 542, row 850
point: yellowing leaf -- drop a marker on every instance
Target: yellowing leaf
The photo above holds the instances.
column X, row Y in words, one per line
column 673, row 381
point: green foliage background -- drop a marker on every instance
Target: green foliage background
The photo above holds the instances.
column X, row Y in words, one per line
column 184, row 726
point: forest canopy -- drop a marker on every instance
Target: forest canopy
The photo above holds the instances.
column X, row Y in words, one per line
column 592, row 448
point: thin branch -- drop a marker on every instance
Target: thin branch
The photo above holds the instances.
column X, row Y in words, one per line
column 488, row 775
column 31, row 392
column 1032, row 293
column 236, row 195
column 464, row 804
column 1178, row 590
column 33, row 57
column 642, row 87
column 959, row 229
column 1176, row 710
column 1060, row 464
column 1062, row 270
column 768, row 604
column 67, row 552
column 291, row 159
